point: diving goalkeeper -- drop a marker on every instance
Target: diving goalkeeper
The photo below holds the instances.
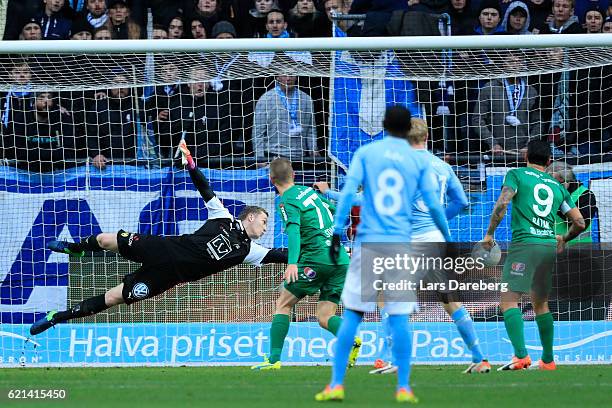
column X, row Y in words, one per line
column 221, row 243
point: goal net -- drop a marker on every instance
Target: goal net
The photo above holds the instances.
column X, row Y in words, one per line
column 89, row 137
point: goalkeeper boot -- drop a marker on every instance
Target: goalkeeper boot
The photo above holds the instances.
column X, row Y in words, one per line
column 43, row 324
column 481, row 367
column 541, row 365
column 64, row 248
column 406, row 395
column 331, row 394
column 516, row 364
column 267, row 365
column 354, row 352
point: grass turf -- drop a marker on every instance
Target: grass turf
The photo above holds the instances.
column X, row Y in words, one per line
column 293, row 387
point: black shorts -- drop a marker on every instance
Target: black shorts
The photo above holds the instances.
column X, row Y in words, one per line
column 157, row 273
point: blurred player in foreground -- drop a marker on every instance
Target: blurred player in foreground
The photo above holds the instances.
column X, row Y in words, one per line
column 395, row 171
column 221, row 243
column 536, row 197
column 309, row 221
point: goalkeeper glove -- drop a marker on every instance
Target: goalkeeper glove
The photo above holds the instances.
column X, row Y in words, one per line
column 334, row 249
column 186, row 158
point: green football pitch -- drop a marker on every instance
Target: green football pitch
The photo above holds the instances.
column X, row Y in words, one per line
column 292, row 387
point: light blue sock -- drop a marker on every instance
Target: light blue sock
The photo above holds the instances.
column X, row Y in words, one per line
column 465, row 325
column 402, row 348
column 344, row 343
column 386, row 354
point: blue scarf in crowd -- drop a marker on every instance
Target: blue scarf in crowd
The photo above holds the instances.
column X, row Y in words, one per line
column 25, row 92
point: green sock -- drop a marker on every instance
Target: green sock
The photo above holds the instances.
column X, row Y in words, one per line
column 333, row 324
column 546, row 327
column 513, row 319
column 278, row 332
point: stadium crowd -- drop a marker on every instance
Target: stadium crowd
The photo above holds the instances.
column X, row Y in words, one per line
column 286, row 115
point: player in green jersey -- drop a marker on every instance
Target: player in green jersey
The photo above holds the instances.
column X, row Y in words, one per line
column 308, row 219
column 535, row 197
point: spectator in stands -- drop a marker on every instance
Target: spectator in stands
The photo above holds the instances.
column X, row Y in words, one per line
column 564, row 21
column 306, row 21
column 255, row 26
column 224, row 30
column 516, row 20
column 16, row 13
column 276, row 25
column 594, row 19
column 54, row 24
column 236, row 95
column 209, row 12
column 284, row 123
column 46, row 141
column 15, row 103
column 163, row 109
column 593, row 106
column 102, row 33
column 198, row 29
column 462, row 17
column 112, row 125
column 159, row 32
column 207, row 119
column 31, row 30
column 339, row 6
column 81, row 30
column 582, row 6
column 607, row 25
column 506, row 115
column 176, row 28
column 489, row 18
column 96, row 13
column 540, row 12
column 121, row 25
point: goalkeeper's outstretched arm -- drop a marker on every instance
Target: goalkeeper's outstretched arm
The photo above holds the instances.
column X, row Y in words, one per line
column 198, row 179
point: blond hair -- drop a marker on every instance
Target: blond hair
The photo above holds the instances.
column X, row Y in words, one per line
column 418, row 131
column 281, row 171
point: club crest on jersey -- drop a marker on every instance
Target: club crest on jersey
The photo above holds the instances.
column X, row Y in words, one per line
column 310, row 273
column 140, row 290
column 518, row 268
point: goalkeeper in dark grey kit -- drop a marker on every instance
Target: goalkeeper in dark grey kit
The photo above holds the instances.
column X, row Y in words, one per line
column 221, row 243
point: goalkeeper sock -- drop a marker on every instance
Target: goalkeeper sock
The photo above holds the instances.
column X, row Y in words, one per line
column 465, row 326
column 333, row 325
column 88, row 244
column 85, row 308
column 546, row 327
column 278, row 332
column 513, row 320
column 344, row 343
column 402, row 347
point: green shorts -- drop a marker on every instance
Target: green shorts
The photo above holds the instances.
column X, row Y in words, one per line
column 529, row 266
column 329, row 279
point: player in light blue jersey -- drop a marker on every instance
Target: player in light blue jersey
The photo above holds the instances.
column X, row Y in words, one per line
column 390, row 172
column 424, row 229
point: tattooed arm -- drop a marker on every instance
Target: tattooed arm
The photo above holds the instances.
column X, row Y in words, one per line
column 499, row 211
